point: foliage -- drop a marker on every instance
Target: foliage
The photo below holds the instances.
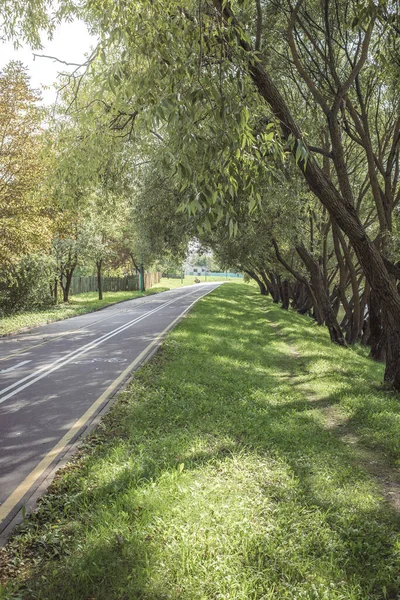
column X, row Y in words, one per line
column 209, row 128
column 22, row 20
column 159, row 230
column 27, row 286
column 25, row 209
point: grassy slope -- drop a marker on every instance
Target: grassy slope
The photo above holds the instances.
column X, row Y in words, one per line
column 220, row 474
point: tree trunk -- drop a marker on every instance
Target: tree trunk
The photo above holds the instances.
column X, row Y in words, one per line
column 340, row 207
column 354, row 330
column 285, row 294
column 366, row 333
column 99, row 278
column 392, row 348
column 253, row 275
column 267, row 283
column 321, row 295
column 67, row 274
column 296, row 295
column 376, row 339
column 364, row 320
column 68, row 282
column 135, row 265
column 275, row 286
column 299, row 277
column 305, row 301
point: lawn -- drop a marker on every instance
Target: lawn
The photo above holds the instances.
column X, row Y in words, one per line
column 78, row 305
column 239, row 464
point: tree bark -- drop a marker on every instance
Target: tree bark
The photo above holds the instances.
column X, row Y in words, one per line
column 267, row 283
column 253, row 275
column 99, row 264
column 67, row 285
column 320, row 292
column 339, row 207
column 300, row 278
column 376, row 340
column 285, row 294
column 275, row 295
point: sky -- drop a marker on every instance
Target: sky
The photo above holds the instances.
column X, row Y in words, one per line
column 70, row 43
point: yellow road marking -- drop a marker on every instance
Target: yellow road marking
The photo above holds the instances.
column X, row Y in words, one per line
column 11, row 502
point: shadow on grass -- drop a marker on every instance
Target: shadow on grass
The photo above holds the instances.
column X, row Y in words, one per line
column 214, row 476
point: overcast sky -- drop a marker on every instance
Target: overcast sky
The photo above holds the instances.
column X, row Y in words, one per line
column 71, row 41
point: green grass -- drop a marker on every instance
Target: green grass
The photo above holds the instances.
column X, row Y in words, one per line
column 221, row 474
column 78, row 305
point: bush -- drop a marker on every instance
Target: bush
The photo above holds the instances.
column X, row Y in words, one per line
column 28, row 285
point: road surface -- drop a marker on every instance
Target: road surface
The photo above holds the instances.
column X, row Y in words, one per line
column 55, row 379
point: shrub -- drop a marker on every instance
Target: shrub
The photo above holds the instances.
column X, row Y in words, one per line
column 28, row 285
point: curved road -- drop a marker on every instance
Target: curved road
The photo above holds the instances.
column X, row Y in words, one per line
column 55, row 379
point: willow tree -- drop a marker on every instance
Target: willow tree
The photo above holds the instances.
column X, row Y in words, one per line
column 203, row 71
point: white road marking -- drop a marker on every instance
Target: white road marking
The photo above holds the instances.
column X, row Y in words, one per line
column 24, row 362
column 140, row 301
column 64, row 360
column 89, row 361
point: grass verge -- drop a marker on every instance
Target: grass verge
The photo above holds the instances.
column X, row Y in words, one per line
column 219, row 474
column 78, row 305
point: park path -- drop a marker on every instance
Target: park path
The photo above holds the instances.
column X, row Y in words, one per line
column 56, row 379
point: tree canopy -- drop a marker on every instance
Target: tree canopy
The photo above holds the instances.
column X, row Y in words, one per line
column 269, row 130
column 25, row 210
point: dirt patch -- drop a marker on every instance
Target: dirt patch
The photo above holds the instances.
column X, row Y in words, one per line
column 374, row 462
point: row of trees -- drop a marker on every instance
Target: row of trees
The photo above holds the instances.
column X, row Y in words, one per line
column 271, row 130
column 236, row 96
column 67, row 201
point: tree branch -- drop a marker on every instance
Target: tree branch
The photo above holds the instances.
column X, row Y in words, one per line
column 258, row 26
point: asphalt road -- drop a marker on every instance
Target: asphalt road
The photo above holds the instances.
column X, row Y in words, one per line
column 55, row 379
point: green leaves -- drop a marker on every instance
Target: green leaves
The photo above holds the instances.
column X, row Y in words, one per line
column 233, row 228
column 175, row 68
column 301, row 153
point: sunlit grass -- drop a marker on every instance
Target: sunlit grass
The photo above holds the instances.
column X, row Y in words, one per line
column 215, row 475
column 78, row 305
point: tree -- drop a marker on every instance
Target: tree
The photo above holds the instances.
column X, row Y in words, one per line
column 25, row 208
column 102, row 231
column 200, row 81
column 220, row 49
column 22, row 20
column 337, row 198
